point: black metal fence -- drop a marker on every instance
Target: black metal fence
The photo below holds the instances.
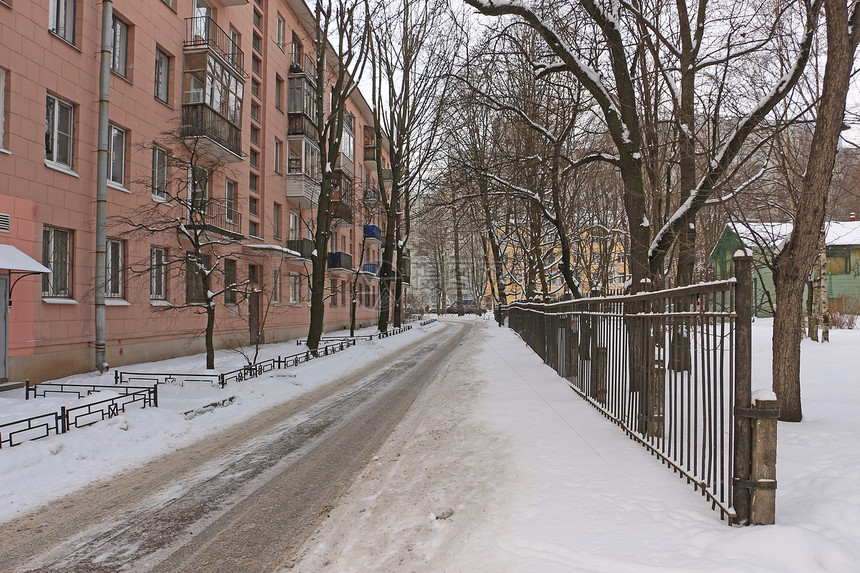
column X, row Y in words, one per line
column 669, row 367
column 60, row 422
column 368, row 337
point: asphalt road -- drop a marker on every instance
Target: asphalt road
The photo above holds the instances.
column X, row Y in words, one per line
column 244, row 499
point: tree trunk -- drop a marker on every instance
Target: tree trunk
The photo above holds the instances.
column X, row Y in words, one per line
column 458, row 277
column 793, row 263
column 210, row 334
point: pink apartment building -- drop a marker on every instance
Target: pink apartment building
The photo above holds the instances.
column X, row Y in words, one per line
column 169, row 58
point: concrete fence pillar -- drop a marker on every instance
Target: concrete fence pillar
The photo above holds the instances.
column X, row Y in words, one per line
column 763, row 470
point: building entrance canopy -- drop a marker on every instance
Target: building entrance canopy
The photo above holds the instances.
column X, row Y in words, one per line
column 13, row 260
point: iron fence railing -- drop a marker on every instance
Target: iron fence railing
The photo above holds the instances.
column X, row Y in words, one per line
column 43, row 425
column 203, row 31
column 669, row 367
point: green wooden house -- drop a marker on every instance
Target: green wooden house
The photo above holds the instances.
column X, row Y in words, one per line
column 765, row 239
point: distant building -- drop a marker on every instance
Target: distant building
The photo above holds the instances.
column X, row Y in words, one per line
column 842, row 240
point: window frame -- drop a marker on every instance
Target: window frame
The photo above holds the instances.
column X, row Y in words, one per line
column 231, row 197
column 295, row 289
column 57, row 284
column 231, row 276
column 113, row 131
column 280, row 31
column 158, row 273
column 276, row 285
column 279, row 156
column 162, row 75
column 57, row 106
column 276, row 220
column 4, row 74
column 114, row 256
column 55, row 14
column 194, row 281
column 119, row 57
column 159, row 180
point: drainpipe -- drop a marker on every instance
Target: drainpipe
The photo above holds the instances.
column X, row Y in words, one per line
column 101, row 184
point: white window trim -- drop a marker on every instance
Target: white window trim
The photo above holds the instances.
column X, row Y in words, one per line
column 52, row 161
column 112, row 129
column 53, row 26
column 120, row 294
column 119, row 27
column 156, row 196
column 152, row 298
column 166, row 72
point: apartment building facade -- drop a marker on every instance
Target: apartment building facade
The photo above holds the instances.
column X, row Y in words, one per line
column 232, row 78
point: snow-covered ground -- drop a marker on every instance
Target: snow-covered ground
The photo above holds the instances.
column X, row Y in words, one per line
column 500, row 467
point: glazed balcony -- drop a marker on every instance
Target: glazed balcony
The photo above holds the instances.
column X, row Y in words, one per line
column 202, row 32
column 370, row 269
column 301, row 124
column 216, row 136
column 303, row 189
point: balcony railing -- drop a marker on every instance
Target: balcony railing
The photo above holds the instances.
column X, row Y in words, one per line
column 370, row 153
column 200, row 120
column 342, row 210
column 370, row 268
column 339, row 260
column 202, row 31
column 302, row 63
column 302, row 246
column 373, row 232
column 300, row 124
column 217, row 218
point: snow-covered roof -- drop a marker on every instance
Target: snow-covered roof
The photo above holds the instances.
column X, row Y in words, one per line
column 774, row 234
column 277, row 248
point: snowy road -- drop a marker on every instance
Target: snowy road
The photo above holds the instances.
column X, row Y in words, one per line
column 241, row 500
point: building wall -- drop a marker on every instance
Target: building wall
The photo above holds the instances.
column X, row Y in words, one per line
column 50, row 337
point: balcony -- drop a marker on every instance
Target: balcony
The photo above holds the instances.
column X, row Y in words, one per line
column 233, row 2
column 371, row 195
column 300, row 124
column 373, row 232
column 303, row 189
column 370, row 269
column 341, row 212
column 216, row 218
column 405, row 279
column 305, row 247
column 203, row 32
column 370, row 155
column 214, row 135
column 340, row 260
column 303, row 64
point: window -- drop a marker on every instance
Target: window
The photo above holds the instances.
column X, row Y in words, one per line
column 208, row 81
column 332, row 286
column 195, row 290
column 59, row 123
column 2, row 108
column 230, row 202
column 229, row 279
column 168, row 3
column 343, row 293
column 119, row 30
column 256, row 64
column 303, row 157
column 294, row 289
column 279, row 152
column 254, row 276
column 279, row 38
column 347, row 144
column 258, row 20
column 116, row 169
column 57, row 256
column 159, row 172
column 838, row 264
column 158, row 273
column 255, row 135
column 276, row 220
column 202, row 15
column 294, row 226
column 255, row 111
column 257, row 42
column 235, row 45
column 279, row 92
column 252, row 205
column 162, row 75
column 255, row 87
column 276, row 286
column 198, row 187
column 253, row 228
column 253, row 182
column 62, row 19
column 254, row 158
column 113, row 269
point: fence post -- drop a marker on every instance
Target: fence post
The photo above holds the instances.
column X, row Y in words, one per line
column 63, row 425
column 743, row 386
column 27, row 389
column 155, row 395
column 763, row 472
